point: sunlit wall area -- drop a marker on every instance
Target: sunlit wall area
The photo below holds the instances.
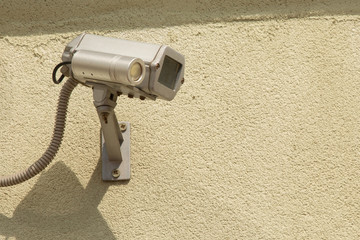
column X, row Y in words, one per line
column 261, row 142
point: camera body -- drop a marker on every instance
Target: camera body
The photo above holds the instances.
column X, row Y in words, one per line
column 137, row 69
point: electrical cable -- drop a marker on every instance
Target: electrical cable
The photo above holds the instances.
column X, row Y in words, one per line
column 55, row 143
column 57, row 81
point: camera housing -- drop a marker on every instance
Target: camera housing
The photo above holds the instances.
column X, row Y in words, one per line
column 137, row 69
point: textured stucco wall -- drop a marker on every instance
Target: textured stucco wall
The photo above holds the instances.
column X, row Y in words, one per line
column 261, row 142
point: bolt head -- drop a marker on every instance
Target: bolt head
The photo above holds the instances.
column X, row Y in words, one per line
column 116, row 173
column 123, row 127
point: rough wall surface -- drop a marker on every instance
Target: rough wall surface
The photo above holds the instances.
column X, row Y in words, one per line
column 261, row 142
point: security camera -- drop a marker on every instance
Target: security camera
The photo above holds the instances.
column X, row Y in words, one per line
column 111, row 67
column 137, row 69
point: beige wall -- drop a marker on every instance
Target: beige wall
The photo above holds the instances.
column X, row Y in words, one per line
column 261, row 142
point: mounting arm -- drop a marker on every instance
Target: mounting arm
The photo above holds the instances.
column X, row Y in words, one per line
column 115, row 141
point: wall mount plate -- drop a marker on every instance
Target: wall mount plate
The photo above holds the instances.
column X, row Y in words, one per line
column 117, row 170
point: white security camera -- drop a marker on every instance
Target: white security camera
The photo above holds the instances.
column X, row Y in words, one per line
column 137, row 69
column 111, row 67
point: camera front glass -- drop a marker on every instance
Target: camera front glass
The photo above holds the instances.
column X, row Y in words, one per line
column 169, row 72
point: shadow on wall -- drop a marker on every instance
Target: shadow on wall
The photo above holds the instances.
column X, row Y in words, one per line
column 63, row 207
column 48, row 16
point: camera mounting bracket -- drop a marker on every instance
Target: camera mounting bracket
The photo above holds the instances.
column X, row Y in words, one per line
column 117, row 170
column 115, row 137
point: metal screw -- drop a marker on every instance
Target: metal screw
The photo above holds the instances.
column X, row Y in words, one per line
column 157, row 65
column 116, row 173
column 123, row 127
column 105, row 117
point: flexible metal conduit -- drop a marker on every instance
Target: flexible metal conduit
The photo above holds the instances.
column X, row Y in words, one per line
column 55, row 143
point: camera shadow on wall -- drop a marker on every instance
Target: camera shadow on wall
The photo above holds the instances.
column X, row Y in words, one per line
column 64, row 211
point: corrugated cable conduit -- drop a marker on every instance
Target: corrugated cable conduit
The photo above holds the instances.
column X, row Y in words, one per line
column 55, row 143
